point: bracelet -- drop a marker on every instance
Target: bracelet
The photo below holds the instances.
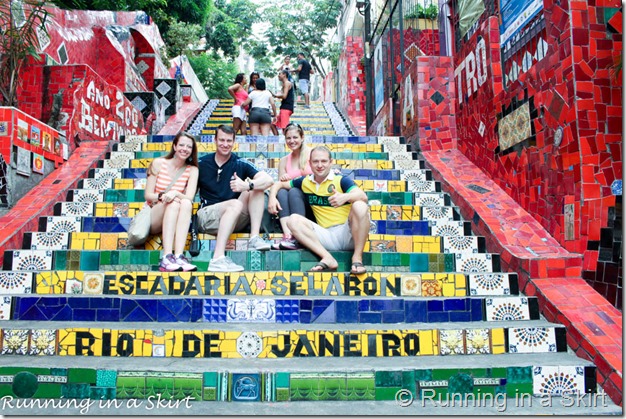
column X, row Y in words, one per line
column 159, row 196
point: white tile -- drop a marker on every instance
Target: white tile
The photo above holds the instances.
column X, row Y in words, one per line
column 32, row 260
column 478, row 262
column 507, row 309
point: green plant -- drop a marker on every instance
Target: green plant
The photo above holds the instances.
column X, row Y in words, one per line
column 19, row 23
column 419, row 12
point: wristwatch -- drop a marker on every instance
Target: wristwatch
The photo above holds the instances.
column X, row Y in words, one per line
column 251, row 185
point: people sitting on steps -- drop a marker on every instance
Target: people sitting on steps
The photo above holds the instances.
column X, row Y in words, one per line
column 287, row 202
column 171, row 209
column 231, row 198
column 342, row 220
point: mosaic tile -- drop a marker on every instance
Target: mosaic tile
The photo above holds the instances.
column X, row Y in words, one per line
column 451, row 342
column 489, row 284
column 477, row 341
column 14, row 342
column 246, row 387
column 97, row 184
column 5, row 308
column 430, row 199
column 101, row 173
column 411, row 285
column 87, row 195
column 251, row 310
column 507, row 309
column 76, row 209
column 16, row 282
column 49, row 241
column 558, row 380
column 438, row 213
column 460, row 244
column 118, row 160
column 73, row 286
column 447, row 228
column 474, row 262
column 32, row 260
column 515, row 127
column 249, row 345
column 63, row 224
column 531, row 340
column 43, row 342
column 93, row 283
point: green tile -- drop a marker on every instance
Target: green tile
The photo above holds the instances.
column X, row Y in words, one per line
column 240, row 257
column 60, row 260
column 519, row 375
column 125, row 257
column 273, row 261
column 105, row 257
column 386, row 393
column 360, row 388
column 367, row 258
column 163, row 385
column 155, row 257
column 449, row 262
column 282, row 394
column 115, row 257
column 90, row 261
column 433, row 393
column 408, row 380
column 497, row 372
column 188, row 387
column 131, row 387
column 460, row 383
column 425, row 375
column 48, row 391
column 475, row 372
column 291, row 260
column 106, row 378
column 75, row 391
column 332, row 388
column 209, row 394
column 282, row 379
column 443, row 373
column 255, row 260
column 82, row 375
column 388, row 379
column 209, row 379
column 307, row 256
column 102, row 393
column 519, row 390
column 33, row 370
column 419, row 262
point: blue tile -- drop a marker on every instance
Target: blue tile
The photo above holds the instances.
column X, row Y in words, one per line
column 434, row 317
column 393, row 317
column 107, row 315
column 415, row 311
column 196, row 310
column 305, row 317
column 328, row 315
column 84, row 315
column 369, row 317
column 29, row 313
column 477, row 309
column 454, row 304
column 460, row 316
column 246, row 387
column 364, row 305
column 435, row 305
column 347, row 311
column 380, row 305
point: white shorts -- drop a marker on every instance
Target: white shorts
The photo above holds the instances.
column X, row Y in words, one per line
column 303, row 84
column 239, row 112
column 337, row 237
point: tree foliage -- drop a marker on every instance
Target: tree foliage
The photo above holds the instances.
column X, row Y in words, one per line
column 215, row 73
column 19, row 23
column 181, row 36
column 300, row 26
column 229, row 26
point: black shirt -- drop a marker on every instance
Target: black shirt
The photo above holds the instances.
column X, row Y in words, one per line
column 213, row 191
column 305, row 73
column 287, row 103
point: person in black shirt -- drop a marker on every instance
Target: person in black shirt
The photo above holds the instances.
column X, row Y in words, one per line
column 287, row 102
column 304, row 71
column 227, row 201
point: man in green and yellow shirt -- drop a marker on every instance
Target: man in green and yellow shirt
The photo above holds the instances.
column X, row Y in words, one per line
column 341, row 213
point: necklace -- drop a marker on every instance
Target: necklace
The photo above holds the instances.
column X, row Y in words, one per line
column 219, row 172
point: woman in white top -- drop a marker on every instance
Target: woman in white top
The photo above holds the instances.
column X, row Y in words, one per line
column 261, row 102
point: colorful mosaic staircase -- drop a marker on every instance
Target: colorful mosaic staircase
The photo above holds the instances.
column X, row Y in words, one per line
column 433, row 317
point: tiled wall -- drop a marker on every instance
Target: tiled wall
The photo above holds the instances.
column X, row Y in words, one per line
column 427, row 104
column 351, row 95
column 545, row 125
column 143, row 388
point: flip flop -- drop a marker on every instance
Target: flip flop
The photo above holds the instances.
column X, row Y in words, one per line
column 324, row 267
column 355, row 268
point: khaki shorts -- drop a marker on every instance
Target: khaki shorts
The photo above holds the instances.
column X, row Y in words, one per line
column 337, row 237
column 209, row 220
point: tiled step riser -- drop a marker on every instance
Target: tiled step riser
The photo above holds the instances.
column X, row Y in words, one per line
column 99, row 174
column 264, row 147
column 260, row 284
column 398, row 312
column 274, row 344
column 347, row 140
column 530, row 383
column 366, row 185
column 377, row 243
column 254, row 261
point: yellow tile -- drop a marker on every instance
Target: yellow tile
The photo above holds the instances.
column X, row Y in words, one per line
column 497, row 341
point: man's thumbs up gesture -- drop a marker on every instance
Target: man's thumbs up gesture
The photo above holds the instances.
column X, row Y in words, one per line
column 337, row 199
column 238, row 185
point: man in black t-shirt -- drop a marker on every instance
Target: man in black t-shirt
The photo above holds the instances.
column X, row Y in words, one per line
column 231, row 197
column 304, row 71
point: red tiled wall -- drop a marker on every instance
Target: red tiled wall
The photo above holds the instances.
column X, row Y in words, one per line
column 351, row 94
column 572, row 90
column 92, row 109
column 427, row 104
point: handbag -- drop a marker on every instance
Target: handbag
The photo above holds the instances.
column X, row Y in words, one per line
column 139, row 228
column 195, row 246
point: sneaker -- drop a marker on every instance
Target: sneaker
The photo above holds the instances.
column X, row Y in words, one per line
column 184, row 263
column 257, row 243
column 168, row 263
column 224, row 264
column 289, row 244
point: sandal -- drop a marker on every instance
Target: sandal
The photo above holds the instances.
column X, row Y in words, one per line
column 355, row 268
column 324, row 267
